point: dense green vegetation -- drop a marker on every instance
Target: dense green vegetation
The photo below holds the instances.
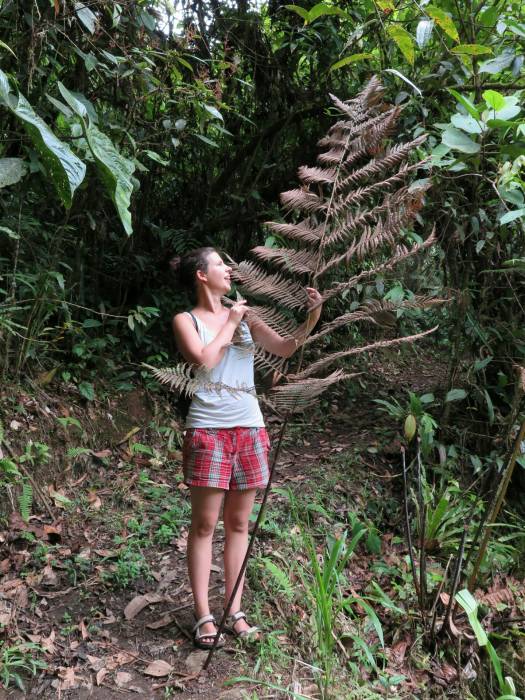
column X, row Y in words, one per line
column 133, row 131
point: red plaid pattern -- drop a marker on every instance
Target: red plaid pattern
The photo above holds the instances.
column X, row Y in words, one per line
column 234, row 459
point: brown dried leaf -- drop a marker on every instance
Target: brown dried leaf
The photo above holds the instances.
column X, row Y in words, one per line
column 163, row 621
column 101, row 675
column 102, row 454
column 83, row 629
column 49, row 578
column 138, row 603
column 48, row 643
column 158, row 668
column 67, row 678
column 96, row 662
column 95, row 501
column 182, row 542
column 122, row 679
column 5, row 565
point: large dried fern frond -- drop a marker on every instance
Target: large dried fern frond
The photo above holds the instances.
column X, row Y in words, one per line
column 180, row 378
column 298, row 261
column 266, row 362
column 384, row 232
column 302, row 199
column 374, row 311
column 393, row 157
column 334, row 357
column 397, row 258
column 302, row 231
column 254, row 279
column 298, row 395
column 351, row 210
column 281, row 324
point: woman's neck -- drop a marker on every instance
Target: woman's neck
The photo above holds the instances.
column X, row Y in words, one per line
column 209, row 301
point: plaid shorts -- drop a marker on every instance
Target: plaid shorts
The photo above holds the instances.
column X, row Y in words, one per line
column 234, row 459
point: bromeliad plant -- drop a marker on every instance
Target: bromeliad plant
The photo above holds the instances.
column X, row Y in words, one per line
column 345, row 225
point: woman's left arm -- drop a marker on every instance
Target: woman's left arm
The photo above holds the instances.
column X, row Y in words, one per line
column 285, row 347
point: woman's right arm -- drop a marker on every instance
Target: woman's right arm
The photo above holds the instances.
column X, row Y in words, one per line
column 191, row 346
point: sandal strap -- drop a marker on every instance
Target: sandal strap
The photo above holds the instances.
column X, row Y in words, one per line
column 235, row 617
column 202, row 621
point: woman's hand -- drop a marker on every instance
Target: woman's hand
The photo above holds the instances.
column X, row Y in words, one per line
column 237, row 312
column 314, row 297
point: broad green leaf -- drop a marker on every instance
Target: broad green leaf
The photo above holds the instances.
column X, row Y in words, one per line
column 205, row 139
column 87, row 390
column 5, row 88
column 494, row 99
column 511, row 216
column 3, row 45
column 64, row 169
column 455, row 395
column 472, row 49
column 467, row 123
column 77, row 106
column 404, row 41
column 12, row 170
column 155, row 156
column 497, row 64
column 514, row 196
column 60, row 106
column 424, row 32
column 12, row 234
column 115, row 172
column 443, row 20
column 470, row 606
column 299, row 11
column 322, row 9
column 86, row 16
column 459, row 141
column 147, row 20
column 386, row 5
column 354, row 58
column 489, row 16
column 508, row 112
column 80, row 104
column 466, row 103
column 403, row 77
column 516, row 27
column 213, row 111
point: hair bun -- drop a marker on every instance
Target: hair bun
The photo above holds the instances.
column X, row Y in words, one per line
column 175, row 263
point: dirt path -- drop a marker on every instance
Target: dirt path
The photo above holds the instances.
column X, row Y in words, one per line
column 103, row 588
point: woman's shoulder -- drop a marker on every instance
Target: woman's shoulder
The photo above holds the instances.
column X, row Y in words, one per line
column 183, row 319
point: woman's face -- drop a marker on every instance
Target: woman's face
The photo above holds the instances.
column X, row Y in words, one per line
column 217, row 276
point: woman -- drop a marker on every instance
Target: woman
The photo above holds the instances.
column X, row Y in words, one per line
column 225, row 451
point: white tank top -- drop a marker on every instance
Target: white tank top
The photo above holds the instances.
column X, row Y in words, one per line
column 211, row 409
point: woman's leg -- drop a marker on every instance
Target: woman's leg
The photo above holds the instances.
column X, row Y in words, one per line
column 205, row 507
column 238, row 506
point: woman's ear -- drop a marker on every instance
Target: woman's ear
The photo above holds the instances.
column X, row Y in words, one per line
column 201, row 276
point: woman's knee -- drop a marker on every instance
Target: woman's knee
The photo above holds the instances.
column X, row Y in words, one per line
column 235, row 522
column 203, row 527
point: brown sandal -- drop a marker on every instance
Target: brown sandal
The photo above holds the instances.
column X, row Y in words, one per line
column 251, row 632
column 198, row 638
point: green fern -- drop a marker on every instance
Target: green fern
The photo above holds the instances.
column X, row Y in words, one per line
column 281, row 577
column 74, row 452
column 25, row 500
